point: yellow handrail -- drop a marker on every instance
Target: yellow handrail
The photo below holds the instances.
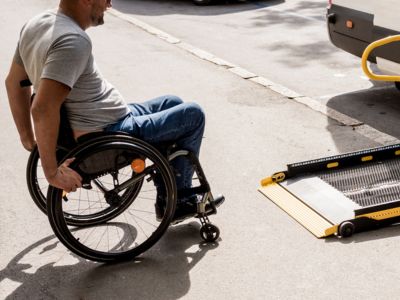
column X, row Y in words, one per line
column 368, row 50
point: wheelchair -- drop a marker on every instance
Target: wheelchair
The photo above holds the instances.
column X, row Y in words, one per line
column 112, row 216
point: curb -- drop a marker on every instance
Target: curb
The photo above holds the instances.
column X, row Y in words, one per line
column 363, row 129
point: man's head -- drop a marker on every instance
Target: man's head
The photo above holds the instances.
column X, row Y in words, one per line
column 97, row 11
column 86, row 13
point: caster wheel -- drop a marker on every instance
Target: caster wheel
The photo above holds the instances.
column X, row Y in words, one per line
column 346, row 229
column 209, row 232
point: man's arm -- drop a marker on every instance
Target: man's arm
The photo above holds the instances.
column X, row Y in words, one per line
column 20, row 102
column 46, row 118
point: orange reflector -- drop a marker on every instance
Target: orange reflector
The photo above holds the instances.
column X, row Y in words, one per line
column 138, row 165
column 349, row 24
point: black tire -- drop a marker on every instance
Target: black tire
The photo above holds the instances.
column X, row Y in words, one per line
column 346, row 229
column 135, row 229
column 209, row 232
column 38, row 188
column 202, row 2
column 397, row 85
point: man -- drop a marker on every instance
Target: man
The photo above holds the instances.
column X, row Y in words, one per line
column 54, row 53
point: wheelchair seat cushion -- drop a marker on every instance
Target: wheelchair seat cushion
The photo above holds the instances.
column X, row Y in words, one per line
column 104, row 162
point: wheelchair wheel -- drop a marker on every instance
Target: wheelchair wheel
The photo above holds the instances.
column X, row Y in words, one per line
column 136, row 227
column 38, row 188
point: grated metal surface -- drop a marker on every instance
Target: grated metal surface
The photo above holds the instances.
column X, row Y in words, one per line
column 368, row 184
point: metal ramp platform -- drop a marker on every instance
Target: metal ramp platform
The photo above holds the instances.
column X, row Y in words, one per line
column 346, row 193
column 341, row 194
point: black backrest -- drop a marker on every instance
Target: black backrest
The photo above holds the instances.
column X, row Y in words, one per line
column 65, row 134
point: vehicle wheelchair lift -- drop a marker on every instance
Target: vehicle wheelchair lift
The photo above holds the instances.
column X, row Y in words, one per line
column 343, row 194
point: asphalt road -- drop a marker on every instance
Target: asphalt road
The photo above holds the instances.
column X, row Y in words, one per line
column 251, row 133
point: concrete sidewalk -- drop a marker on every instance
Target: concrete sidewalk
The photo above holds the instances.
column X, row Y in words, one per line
column 251, row 132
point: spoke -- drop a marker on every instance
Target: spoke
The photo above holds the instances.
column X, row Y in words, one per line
column 119, row 238
column 86, row 235
column 146, row 198
column 80, row 212
column 99, row 200
column 130, row 230
column 140, row 218
column 106, row 230
column 142, row 211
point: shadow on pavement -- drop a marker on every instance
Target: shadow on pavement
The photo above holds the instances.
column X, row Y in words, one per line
column 161, row 273
column 368, row 236
column 297, row 56
column 379, row 107
column 186, row 7
column 303, row 13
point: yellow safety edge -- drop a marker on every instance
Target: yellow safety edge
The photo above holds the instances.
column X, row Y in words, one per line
column 277, row 177
column 331, row 230
column 367, row 52
column 298, row 210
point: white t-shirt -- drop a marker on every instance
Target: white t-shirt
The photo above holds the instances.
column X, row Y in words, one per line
column 53, row 46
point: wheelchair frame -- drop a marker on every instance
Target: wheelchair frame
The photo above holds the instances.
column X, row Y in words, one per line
column 61, row 221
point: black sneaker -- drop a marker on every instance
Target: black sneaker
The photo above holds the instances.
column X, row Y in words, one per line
column 188, row 209
column 211, row 206
column 183, row 211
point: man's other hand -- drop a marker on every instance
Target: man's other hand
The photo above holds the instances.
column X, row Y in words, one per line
column 65, row 178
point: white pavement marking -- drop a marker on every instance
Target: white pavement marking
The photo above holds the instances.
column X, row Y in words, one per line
column 205, row 55
column 361, row 128
column 150, row 29
column 242, row 73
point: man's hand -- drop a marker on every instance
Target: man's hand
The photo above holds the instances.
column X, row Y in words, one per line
column 65, row 178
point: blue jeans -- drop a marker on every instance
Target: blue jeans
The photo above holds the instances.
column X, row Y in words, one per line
column 167, row 119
